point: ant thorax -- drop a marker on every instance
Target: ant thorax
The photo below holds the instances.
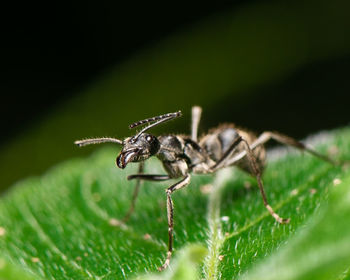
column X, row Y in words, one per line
column 181, row 155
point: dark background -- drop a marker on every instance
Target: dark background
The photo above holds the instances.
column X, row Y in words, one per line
column 51, row 51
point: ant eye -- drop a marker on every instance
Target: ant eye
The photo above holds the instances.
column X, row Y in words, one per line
column 149, row 138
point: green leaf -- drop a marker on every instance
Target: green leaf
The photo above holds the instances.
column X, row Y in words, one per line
column 185, row 267
column 63, row 224
column 10, row 271
column 320, row 251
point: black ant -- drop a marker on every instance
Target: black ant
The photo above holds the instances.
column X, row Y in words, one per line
column 181, row 155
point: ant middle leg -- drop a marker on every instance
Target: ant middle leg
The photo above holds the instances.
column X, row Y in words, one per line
column 196, row 116
column 283, row 139
column 255, row 170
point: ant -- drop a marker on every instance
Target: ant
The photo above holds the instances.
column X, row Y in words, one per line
column 181, row 155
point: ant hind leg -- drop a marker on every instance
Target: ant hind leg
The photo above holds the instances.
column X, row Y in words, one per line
column 289, row 141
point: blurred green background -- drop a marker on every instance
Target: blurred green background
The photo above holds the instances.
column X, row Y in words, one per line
column 77, row 70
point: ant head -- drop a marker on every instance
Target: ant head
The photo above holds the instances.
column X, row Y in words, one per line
column 143, row 145
column 137, row 148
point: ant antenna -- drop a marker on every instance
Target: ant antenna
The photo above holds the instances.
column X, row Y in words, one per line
column 165, row 116
column 85, row 142
column 159, row 119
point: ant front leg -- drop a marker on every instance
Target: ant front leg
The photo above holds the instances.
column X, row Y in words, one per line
column 170, row 213
column 149, row 177
column 140, row 176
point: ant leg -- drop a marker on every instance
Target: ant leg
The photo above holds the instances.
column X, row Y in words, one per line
column 286, row 140
column 256, row 171
column 283, row 139
column 139, row 177
column 134, row 195
column 170, row 212
column 149, row 177
column 222, row 161
column 196, row 116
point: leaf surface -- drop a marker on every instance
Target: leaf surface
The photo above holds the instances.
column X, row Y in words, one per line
column 62, row 225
